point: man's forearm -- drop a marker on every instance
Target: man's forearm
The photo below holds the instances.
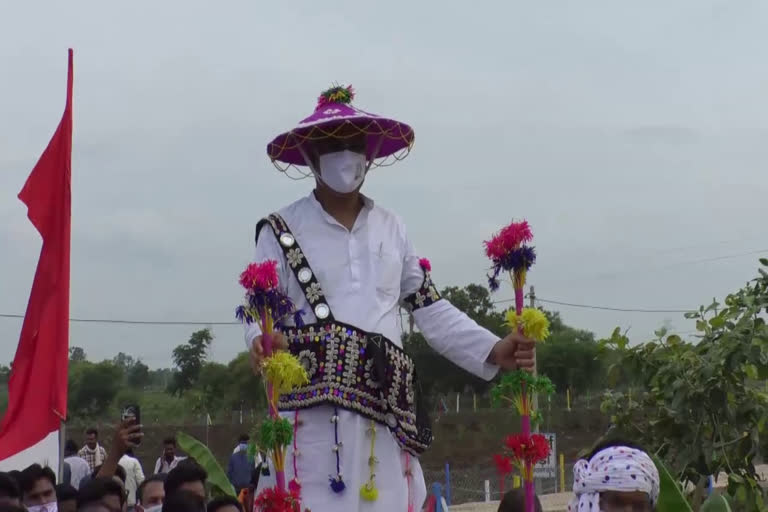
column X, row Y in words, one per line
column 458, row 338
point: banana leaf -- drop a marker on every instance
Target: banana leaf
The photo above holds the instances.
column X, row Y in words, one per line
column 217, row 478
column 671, row 499
column 716, row 503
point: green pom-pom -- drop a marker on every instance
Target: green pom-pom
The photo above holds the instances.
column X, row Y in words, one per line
column 283, row 432
column 512, row 383
column 336, row 94
column 275, row 432
column 267, row 434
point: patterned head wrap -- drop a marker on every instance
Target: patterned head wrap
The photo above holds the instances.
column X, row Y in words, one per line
column 617, row 469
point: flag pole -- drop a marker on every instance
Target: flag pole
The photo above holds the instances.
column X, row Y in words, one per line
column 62, row 442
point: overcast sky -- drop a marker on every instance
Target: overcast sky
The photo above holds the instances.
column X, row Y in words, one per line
column 632, row 135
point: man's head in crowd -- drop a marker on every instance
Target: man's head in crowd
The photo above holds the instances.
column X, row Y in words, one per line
column 169, row 448
column 38, row 488
column 66, row 498
column 187, row 476
column 514, row 501
column 224, row 504
column 70, row 448
column 91, row 438
column 16, row 475
column 100, row 493
column 616, row 476
column 184, row 501
column 151, row 493
column 10, row 493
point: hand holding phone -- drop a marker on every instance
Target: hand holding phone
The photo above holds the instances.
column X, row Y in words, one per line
column 132, row 413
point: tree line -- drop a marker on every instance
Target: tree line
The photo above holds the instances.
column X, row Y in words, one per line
column 196, row 386
column 701, row 405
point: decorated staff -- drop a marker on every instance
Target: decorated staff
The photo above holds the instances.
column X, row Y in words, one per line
column 269, row 307
column 509, row 252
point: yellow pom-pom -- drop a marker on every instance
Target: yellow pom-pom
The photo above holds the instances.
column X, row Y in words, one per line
column 284, row 371
column 368, row 491
column 535, row 323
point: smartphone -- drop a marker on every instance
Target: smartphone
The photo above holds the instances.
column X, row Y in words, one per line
column 132, row 411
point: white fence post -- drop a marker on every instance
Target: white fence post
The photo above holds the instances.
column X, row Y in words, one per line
column 487, row 491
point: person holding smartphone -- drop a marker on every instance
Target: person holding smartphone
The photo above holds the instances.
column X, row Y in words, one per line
column 127, row 436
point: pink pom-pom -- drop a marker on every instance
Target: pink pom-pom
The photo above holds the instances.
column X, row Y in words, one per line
column 260, row 276
column 425, row 265
column 509, row 238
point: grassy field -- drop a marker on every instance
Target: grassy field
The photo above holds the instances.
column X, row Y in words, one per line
column 465, row 440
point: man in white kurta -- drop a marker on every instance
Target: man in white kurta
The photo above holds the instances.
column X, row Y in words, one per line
column 366, row 265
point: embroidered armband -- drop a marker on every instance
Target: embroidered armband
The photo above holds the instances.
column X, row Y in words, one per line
column 427, row 294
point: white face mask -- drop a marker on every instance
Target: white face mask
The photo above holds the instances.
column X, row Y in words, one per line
column 343, row 171
column 156, row 508
column 46, row 507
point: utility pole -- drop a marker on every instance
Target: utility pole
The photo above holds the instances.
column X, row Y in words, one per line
column 532, row 305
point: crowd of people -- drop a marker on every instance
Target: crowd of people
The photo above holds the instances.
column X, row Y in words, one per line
column 96, row 480
column 615, row 476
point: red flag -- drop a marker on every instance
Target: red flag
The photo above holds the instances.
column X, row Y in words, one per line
column 38, row 384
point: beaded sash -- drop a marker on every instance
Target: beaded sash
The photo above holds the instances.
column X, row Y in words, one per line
column 347, row 367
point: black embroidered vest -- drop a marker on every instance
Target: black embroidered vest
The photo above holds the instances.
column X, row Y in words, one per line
column 347, row 367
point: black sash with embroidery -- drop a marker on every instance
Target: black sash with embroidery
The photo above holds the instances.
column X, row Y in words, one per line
column 347, row 367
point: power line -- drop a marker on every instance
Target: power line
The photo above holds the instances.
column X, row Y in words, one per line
column 605, row 308
column 609, row 308
column 192, row 322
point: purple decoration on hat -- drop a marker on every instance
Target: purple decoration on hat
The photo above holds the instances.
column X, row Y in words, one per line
column 333, row 114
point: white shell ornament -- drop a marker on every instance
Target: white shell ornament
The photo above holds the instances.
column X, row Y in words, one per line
column 287, row 240
column 322, row 311
column 305, row 274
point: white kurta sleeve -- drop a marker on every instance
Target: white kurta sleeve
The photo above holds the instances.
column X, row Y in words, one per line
column 447, row 329
column 267, row 248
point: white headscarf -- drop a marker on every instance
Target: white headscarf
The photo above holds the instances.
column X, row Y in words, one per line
column 618, row 469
